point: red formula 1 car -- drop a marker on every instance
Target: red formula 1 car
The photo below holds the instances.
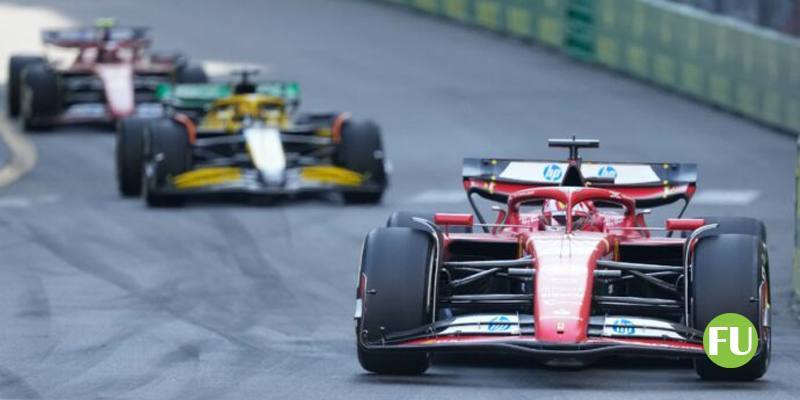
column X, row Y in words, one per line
column 568, row 271
column 113, row 75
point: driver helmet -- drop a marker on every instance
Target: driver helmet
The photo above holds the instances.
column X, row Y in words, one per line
column 554, row 214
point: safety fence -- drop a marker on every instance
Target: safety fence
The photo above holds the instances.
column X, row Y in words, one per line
column 750, row 71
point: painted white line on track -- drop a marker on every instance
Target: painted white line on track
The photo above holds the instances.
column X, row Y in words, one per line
column 722, row 197
column 28, row 201
column 22, row 153
column 439, row 196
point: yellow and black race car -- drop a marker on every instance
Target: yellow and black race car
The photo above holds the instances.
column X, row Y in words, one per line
column 243, row 138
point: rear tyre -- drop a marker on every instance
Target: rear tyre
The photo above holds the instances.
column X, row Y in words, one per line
column 361, row 150
column 130, row 155
column 169, row 154
column 396, row 264
column 322, row 119
column 191, row 73
column 16, row 65
column 40, row 97
column 405, row 219
column 727, row 277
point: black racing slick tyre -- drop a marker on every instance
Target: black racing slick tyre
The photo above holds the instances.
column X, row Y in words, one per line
column 395, row 269
column 191, row 73
column 730, row 275
column 169, row 154
column 741, row 225
column 361, row 150
column 405, row 219
column 130, row 155
column 16, row 65
column 40, row 96
column 321, row 119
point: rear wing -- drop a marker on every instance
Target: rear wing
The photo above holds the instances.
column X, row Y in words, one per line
column 91, row 36
column 649, row 184
column 198, row 95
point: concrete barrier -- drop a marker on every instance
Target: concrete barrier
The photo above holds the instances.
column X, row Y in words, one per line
column 749, row 71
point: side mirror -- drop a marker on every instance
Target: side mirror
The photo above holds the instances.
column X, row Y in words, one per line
column 684, row 224
column 453, row 219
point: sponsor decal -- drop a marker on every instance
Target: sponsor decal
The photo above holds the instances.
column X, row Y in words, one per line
column 484, row 323
column 500, row 323
column 607, row 171
column 623, row 326
column 553, row 173
column 730, row 340
column 623, row 174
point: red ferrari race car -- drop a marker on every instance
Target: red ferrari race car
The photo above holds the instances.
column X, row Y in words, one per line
column 567, row 272
column 113, row 75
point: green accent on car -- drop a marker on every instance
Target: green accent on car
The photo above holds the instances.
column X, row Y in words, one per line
column 105, row 22
column 197, row 95
column 289, row 91
column 192, row 95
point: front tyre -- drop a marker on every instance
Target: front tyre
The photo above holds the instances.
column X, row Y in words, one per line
column 130, row 155
column 169, row 155
column 395, row 269
column 16, row 66
column 361, row 150
column 730, row 274
column 40, row 97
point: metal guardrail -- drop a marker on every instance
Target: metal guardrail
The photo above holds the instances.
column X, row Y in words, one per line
column 730, row 64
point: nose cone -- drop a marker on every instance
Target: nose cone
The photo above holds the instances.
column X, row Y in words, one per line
column 118, row 84
column 564, row 280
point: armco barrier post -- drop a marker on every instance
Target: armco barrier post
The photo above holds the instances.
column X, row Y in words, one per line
column 794, row 66
column 458, row 10
column 719, row 65
column 428, row 6
column 692, row 79
column 746, row 88
column 580, row 38
column 768, row 74
column 550, row 22
column 489, row 14
column 790, row 71
column 520, row 18
column 609, row 33
column 635, row 56
column 664, row 52
column 797, row 230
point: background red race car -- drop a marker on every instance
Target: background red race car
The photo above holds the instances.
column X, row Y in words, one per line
column 113, row 75
column 567, row 272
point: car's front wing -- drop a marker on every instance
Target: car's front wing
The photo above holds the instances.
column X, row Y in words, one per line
column 511, row 333
column 245, row 181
